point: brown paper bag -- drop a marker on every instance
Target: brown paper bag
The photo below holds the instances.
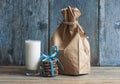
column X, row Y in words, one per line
column 74, row 47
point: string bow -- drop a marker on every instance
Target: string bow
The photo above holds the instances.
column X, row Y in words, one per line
column 53, row 53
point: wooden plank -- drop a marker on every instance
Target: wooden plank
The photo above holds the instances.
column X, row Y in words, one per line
column 35, row 22
column 62, row 81
column 98, row 75
column 2, row 12
column 10, row 29
column 21, row 20
column 109, row 32
column 88, row 20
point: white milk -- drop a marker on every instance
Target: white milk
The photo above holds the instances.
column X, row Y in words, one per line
column 32, row 52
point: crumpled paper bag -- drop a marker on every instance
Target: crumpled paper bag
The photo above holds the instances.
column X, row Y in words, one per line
column 74, row 47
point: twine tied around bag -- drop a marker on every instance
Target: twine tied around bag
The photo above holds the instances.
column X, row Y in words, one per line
column 71, row 23
column 75, row 23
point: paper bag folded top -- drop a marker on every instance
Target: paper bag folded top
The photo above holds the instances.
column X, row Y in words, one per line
column 74, row 47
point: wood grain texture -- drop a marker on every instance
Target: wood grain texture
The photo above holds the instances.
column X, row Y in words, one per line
column 109, row 35
column 10, row 31
column 88, row 20
column 21, row 20
column 98, row 75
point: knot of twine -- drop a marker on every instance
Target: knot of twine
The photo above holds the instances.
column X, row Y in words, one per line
column 71, row 23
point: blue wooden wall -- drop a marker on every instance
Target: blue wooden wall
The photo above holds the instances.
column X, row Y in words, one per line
column 21, row 20
column 38, row 19
column 109, row 36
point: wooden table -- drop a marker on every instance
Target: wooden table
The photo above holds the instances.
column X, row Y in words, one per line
column 98, row 75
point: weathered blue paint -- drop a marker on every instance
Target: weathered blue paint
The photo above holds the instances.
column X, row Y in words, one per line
column 88, row 20
column 109, row 36
column 9, row 28
column 28, row 19
column 21, row 20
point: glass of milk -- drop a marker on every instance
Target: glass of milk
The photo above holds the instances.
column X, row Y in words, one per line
column 32, row 56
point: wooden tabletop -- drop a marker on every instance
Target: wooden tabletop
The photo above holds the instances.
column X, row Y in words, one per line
column 98, row 75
